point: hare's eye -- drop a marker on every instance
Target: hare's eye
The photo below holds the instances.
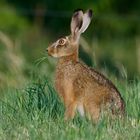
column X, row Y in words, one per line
column 61, row 41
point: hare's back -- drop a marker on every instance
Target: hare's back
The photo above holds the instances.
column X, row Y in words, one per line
column 88, row 82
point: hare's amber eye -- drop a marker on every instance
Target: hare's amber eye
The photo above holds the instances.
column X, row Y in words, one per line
column 61, row 41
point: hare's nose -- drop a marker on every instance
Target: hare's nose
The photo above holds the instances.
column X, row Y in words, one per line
column 47, row 49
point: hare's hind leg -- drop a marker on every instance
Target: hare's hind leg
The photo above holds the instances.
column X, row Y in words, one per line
column 94, row 111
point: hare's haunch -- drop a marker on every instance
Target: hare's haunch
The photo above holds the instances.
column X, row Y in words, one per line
column 80, row 86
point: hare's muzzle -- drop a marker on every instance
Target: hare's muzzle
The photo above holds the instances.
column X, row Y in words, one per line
column 50, row 50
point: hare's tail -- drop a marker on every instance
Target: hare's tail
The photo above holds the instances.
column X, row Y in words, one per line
column 118, row 104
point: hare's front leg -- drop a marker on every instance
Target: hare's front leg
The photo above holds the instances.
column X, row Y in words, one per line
column 70, row 110
column 70, row 104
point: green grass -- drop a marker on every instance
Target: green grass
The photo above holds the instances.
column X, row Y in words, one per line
column 36, row 113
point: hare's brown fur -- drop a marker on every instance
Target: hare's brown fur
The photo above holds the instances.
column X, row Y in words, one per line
column 80, row 86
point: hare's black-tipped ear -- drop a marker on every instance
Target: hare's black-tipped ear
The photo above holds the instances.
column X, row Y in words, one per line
column 86, row 20
column 76, row 23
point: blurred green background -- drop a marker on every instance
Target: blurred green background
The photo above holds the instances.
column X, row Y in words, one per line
column 111, row 44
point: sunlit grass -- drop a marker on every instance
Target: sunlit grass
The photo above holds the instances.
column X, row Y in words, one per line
column 36, row 113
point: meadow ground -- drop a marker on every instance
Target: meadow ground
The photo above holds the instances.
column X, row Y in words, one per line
column 36, row 113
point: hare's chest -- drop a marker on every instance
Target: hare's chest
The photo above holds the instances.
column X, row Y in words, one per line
column 66, row 74
column 64, row 80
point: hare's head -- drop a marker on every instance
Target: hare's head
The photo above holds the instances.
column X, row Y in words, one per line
column 68, row 45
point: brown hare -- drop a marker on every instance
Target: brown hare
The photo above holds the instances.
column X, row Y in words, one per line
column 81, row 87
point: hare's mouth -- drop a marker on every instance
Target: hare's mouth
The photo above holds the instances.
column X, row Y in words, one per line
column 52, row 54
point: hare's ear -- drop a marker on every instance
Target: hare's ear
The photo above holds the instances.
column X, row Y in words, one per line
column 86, row 20
column 76, row 23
